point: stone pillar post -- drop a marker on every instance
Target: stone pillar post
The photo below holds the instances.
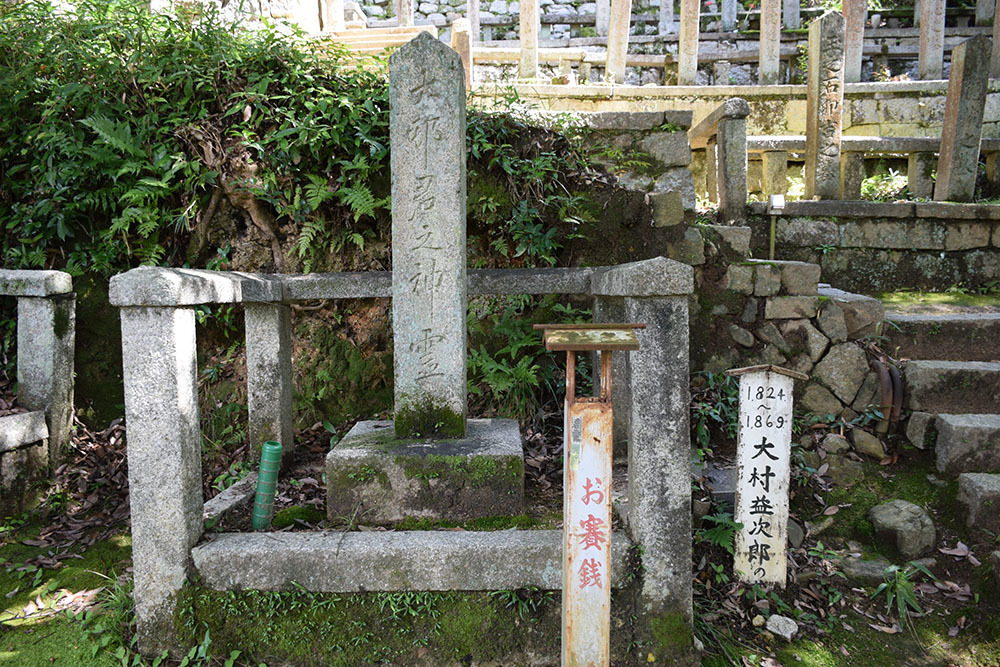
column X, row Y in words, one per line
column 659, row 447
column 855, row 15
column 269, row 375
column 472, row 13
column 687, row 47
column 405, row 15
column 602, row 17
column 333, row 15
column 824, row 106
column 46, row 335
column 621, row 17
column 728, row 17
column 992, row 173
column 666, row 17
column 461, row 42
column 963, row 120
column 529, row 23
column 791, row 15
column 427, row 134
column 919, row 167
column 164, row 456
column 931, row 58
column 732, row 165
column 769, row 71
column 852, row 173
column 984, row 11
column 995, row 57
column 712, row 171
column 774, row 169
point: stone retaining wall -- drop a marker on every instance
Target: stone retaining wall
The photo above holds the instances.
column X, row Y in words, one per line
column 869, row 247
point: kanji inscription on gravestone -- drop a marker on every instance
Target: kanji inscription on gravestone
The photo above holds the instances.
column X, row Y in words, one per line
column 762, row 452
column 427, row 133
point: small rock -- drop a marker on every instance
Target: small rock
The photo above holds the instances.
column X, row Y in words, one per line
column 844, row 471
column 905, row 526
column 867, row 572
column 820, row 527
column 699, row 645
column 795, row 533
column 758, row 621
column 934, row 481
column 782, row 626
column 835, row 444
column 867, row 444
column 749, row 312
column 741, row 336
column 770, row 334
column 921, row 430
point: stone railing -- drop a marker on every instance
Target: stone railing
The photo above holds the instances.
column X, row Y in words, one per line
column 164, row 444
column 46, row 331
column 723, row 137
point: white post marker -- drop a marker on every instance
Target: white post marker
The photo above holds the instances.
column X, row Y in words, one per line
column 762, row 452
column 586, row 610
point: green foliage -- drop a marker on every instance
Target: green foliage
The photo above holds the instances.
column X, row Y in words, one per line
column 722, row 534
column 510, row 372
column 527, row 601
column 714, row 403
column 118, row 125
column 884, row 186
column 898, row 590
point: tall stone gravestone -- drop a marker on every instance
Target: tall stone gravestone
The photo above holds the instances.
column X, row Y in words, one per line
column 763, row 452
column 427, row 136
column 382, row 470
column 930, row 58
column 961, row 134
column 824, row 106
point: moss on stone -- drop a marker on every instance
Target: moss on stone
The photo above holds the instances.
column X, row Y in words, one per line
column 428, row 419
column 289, row 515
column 671, row 634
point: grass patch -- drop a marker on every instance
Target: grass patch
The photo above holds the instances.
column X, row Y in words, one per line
column 957, row 297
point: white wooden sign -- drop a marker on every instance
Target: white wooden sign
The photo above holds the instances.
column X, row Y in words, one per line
column 763, row 451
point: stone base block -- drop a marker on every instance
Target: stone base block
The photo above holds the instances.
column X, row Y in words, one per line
column 376, row 478
column 979, row 495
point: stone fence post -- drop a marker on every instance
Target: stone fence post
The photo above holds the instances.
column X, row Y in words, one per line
column 824, row 106
column 602, row 17
column 791, row 14
column 687, row 47
column 855, row 15
column 621, row 17
column 727, row 125
column 962, row 130
column 461, row 40
column 655, row 292
column 931, row 55
column 46, row 335
column 529, row 23
column 769, row 71
column 666, row 17
column 269, row 375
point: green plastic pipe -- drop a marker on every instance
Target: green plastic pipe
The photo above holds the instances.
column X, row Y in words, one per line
column 267, row 480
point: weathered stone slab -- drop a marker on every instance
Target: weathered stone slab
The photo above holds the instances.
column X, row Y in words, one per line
column 824, row 106
column 958, row 161
column 775, row 172
column 852, row 174
column 979, row 494
column 370, row 473
column 34, row 283
column 967, row 443
column 687, row 68
column 953, row 387
column 529, row 23
column 157, row 286
column 391, row 561
column 957, row 337
column 427, row 133
column 238, row 495
column 769, row 71
column 621, row 13
column 649, row 277
column 855, row 16
column 791, row 14
column 931, row 53
column 22, row 429
column 919, row 168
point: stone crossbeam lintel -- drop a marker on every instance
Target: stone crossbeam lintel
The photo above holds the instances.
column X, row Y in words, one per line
column 735, row 107
column 34, row 283
column 336, row 562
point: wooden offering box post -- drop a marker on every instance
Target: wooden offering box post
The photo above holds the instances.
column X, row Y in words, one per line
column 586, row 610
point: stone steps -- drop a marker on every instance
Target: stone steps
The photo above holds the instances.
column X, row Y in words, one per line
column 954, row 337
column 967, row 443
column 953, row 387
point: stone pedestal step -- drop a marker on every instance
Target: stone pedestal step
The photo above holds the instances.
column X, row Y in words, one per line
column 959, row 337
column 953, row 387
column 968, row 443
